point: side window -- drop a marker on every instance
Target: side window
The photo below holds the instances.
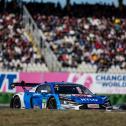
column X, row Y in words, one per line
column 43, row 87
column 48, row 88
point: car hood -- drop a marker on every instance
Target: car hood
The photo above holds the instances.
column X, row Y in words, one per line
column 84, row 99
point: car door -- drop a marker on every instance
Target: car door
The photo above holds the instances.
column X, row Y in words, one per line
column 44, row 90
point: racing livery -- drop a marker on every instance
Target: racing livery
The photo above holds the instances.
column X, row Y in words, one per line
column 57, row 95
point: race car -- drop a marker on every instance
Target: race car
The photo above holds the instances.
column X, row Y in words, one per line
column 57, row 95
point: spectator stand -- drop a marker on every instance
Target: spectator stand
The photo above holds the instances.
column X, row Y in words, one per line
column 16, row 50
column 39, row 39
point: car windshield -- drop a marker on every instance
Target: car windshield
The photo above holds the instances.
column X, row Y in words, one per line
column 71, row 89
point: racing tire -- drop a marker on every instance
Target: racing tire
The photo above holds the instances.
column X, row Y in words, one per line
column 107, row 105
column 51, row 104
column 15, row 103
column 84, row 106
column 102, row 107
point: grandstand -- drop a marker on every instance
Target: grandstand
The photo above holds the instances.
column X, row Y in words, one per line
column 16, row 50
column 45, row 37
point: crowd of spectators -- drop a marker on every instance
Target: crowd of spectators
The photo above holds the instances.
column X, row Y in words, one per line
column 94, row 34
column 97, row 41
column 15, row 47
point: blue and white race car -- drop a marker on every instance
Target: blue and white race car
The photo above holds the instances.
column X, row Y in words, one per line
column 57, row 95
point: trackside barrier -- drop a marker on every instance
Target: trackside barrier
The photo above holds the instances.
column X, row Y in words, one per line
column 97, row 83
column 113, row 85
column 32, row 28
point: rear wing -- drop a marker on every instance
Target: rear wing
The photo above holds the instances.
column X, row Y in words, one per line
column 23, row 84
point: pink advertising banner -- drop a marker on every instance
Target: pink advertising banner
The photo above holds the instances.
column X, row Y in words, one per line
column 98, row 83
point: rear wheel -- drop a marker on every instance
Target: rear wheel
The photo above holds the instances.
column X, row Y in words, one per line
column 51, row 104
column 15, row 102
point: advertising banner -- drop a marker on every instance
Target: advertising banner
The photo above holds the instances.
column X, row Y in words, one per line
column 110, row 83
column 97, row 83
column 101, row 83
column 6, row 79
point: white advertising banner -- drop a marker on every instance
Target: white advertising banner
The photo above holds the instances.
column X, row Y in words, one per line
column 110, row 83
column 97, row 83
column 101, row 83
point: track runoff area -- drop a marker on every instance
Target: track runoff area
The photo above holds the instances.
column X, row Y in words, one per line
column 14, row 117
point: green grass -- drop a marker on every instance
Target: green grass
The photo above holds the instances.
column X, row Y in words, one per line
column 9, row 117
column 5, row 98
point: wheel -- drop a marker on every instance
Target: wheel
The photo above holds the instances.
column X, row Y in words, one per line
column 15, row 102
column 107, row 105
column 102, row 107
column 84, row 106
column 51, row 104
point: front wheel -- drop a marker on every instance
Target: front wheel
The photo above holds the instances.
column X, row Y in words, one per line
column 107, row 105
column 51, row 104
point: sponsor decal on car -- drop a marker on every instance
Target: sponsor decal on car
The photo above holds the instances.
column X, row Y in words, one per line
column 43, row 103
column 93, row 106
column 81, row 95
column 89, row 99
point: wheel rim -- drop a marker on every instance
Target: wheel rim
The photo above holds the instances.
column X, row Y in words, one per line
column 52, row 104
column 16, row 103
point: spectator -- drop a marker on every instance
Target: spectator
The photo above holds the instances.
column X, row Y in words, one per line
column 84, row 33
column 98, row 41
column 15, row 48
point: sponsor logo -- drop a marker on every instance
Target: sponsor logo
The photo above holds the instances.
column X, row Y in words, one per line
column 6, row 79
column 37, row 94
column 93, row 106
column 86, row 80
column 89, row 99
column 43, row 103
column 81, row 95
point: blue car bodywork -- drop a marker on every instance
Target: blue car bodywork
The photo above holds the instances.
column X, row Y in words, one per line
column 57, row 95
